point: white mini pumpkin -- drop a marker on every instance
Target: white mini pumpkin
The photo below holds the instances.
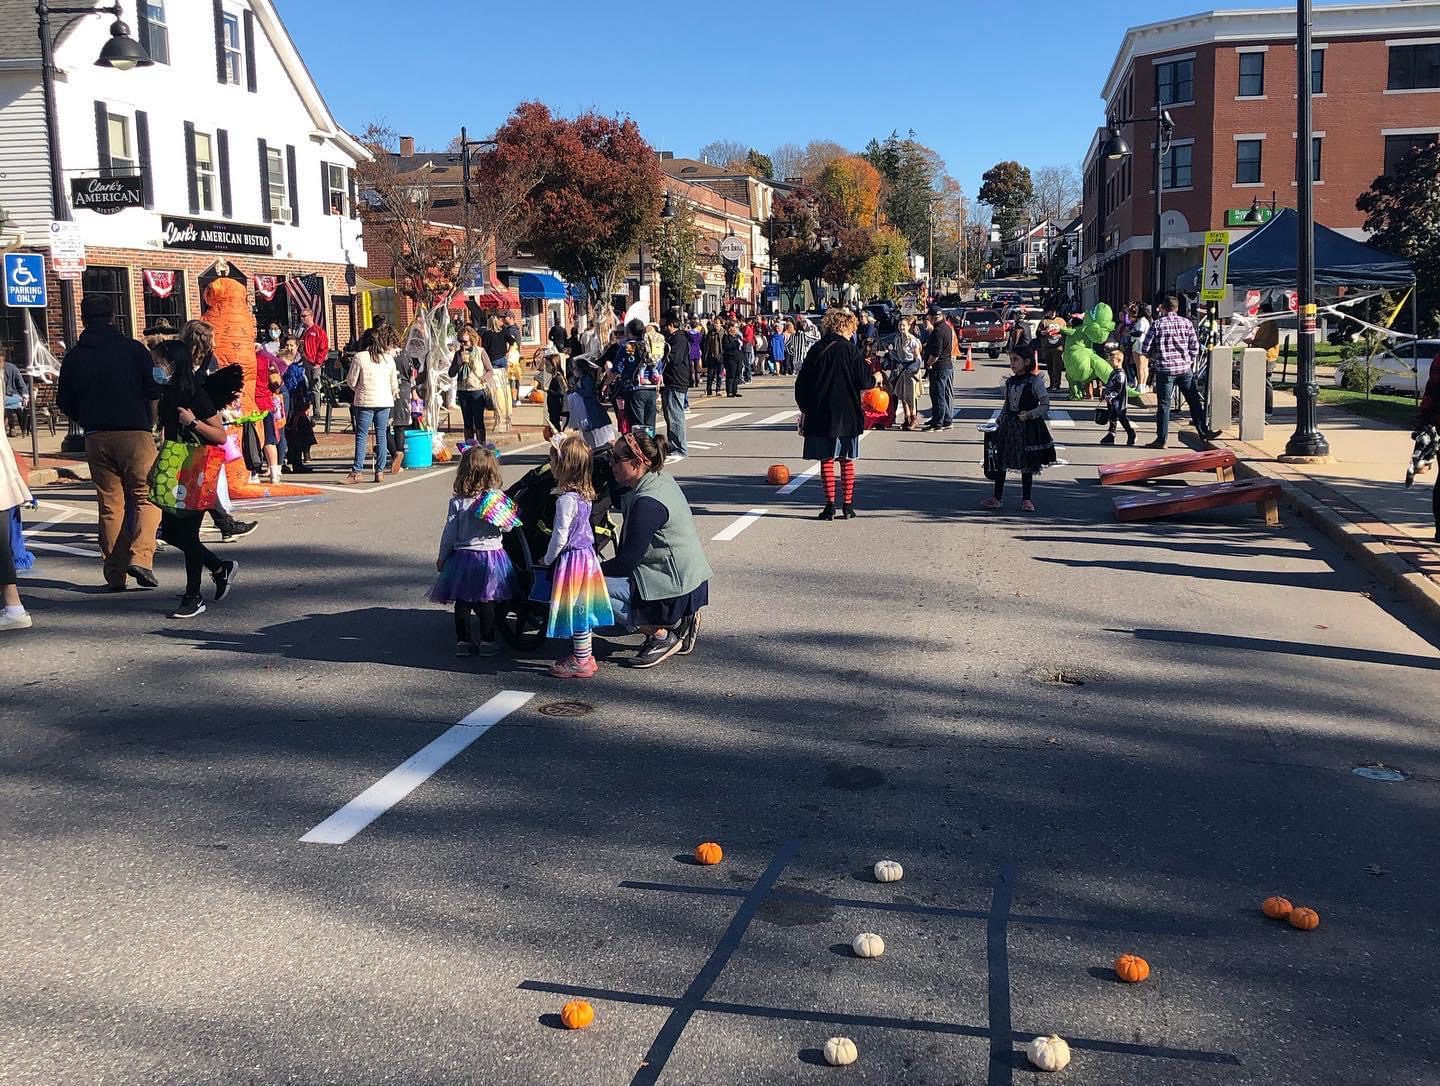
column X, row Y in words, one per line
column 840, row 1051
column 868, row 945
column 1048, row 1053
column 888, row 871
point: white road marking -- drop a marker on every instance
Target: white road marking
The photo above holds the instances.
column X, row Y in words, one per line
column 62, row 548
column 65, row 515
column 721, row 421
column 704, row 444
column 361, row 489
column 738, row 525
column 780, row 417
column 414, row 771
column 797, row 481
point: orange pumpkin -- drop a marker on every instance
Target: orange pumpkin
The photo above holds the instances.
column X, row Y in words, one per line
column 708, row 852
column 1276, row 907
column 875, row 400
column 1304, row 919
column 1131, row 968
column 577, row 1014
column 778, row 475
column 537, row 396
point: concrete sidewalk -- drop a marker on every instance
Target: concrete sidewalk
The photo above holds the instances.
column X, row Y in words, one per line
column 1359, row 499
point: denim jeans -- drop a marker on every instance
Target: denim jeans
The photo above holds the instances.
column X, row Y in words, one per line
column 1164, row 384
column 942, row 382
column 12, row 403
column 640, row 409
column 619, row 589
column 365, row 418
column 676, row 402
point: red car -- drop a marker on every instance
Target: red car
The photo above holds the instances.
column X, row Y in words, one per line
column 983, row 328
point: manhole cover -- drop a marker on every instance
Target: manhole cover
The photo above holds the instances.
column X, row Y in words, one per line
column 566, row 708
column 1378, row 772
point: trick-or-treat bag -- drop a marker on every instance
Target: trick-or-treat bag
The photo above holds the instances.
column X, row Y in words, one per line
column 185, row 477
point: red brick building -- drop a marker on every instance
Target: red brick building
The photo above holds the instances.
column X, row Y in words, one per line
column 1228, row 80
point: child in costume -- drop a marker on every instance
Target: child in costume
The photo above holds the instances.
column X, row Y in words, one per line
column 579, row 600
column 475, row 571
column 1117, row 394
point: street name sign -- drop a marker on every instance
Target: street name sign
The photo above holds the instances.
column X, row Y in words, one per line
column 25, row 281
column 1213, row 277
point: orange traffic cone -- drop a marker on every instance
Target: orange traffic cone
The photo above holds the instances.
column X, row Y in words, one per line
column 969, row 359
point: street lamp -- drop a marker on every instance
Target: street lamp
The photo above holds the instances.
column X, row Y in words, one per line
column 121, row 52
column 1253, row 217
column 1116, row 149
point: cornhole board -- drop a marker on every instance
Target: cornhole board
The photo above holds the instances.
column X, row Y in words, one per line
column 1221, row 461
column 1262, row 493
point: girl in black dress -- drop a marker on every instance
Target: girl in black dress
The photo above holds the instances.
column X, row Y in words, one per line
column 1023, row 438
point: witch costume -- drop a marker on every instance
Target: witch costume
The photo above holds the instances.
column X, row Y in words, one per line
column 1025, row 444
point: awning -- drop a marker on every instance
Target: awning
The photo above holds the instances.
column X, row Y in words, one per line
column 533, row 285
column 494, row 298
column 363, row 285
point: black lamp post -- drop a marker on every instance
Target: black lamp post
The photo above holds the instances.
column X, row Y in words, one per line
column 1116, row 149
column 121, row 52
column 1253, row 217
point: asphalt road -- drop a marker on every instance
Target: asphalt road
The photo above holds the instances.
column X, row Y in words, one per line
column 885, row 687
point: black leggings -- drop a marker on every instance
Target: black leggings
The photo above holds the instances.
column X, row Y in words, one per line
column 485, row 612
column 7, row 556
column 183, row 533
column 1026, row 481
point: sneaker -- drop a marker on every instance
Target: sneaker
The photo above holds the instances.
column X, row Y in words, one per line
column 1108, row 439
column 990, row 503
column 655, row 651
column 225, row 578
column 1027, row 506
column 190, row 606
column 487, row 648
column 571, row 668
column 15, row 622
column 143, row 577
column 466, row 648
column 351, row 479
column 238, row 530
column 692, row 634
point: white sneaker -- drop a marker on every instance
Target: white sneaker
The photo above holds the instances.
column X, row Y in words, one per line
column 15, row 622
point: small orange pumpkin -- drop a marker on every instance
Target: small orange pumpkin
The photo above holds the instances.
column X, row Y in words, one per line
column 1131, row 968
column 1276, row 907
column 708, row 853
column 577, row 1014
column 778, row 475
column 1304, row 919
column 537, row 396
column 875, row 400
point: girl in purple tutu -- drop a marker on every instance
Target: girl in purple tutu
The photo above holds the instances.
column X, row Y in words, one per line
column 579, row 600
column 475, row 571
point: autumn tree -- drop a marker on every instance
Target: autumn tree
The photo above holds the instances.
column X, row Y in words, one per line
column 598, row 195
column 800, row 251
column 1008, row 189
column 815, row 157
column 888, row 263
column 850, row 186
column 1402, row 215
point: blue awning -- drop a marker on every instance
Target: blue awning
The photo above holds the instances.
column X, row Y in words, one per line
column 541, row 286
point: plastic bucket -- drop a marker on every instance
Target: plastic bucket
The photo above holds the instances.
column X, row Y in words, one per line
column 419, row 449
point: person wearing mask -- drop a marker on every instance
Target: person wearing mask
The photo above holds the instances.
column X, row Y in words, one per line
column 675, row 386
column 198, row 337
column 107, row 387
column 939, row 358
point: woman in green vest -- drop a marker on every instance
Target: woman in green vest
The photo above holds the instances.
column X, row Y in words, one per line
column 659, row 579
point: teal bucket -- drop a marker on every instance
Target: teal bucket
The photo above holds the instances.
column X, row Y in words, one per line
column 419, row 449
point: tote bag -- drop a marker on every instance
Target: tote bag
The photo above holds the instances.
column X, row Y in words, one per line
column 185, row 477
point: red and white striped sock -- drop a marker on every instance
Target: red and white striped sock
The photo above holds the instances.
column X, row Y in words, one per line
column 847, row 477
column 827, row 476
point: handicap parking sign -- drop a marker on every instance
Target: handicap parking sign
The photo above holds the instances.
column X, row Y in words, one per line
column 25, row 280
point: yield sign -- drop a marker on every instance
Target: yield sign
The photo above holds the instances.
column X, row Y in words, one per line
column 1217, row 266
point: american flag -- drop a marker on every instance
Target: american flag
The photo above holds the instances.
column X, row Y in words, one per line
column 305, row 292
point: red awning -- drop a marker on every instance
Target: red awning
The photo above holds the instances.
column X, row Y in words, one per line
column 495, row 298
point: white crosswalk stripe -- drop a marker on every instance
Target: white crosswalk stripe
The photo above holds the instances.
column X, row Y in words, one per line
column 710, row 424
column 781, row 416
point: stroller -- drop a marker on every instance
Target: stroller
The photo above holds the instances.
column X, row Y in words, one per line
column 1427, row 445
column 521, row 621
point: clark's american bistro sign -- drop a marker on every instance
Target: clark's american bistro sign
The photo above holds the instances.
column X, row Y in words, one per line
column 207, row 236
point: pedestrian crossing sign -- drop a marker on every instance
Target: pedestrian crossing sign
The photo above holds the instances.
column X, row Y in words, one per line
column 1216, row 270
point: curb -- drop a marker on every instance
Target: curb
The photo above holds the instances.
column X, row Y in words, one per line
column 1388, row 565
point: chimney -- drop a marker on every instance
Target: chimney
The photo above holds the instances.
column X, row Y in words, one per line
column 407, row 146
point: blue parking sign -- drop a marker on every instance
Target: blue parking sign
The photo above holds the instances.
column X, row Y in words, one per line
column 25, row 280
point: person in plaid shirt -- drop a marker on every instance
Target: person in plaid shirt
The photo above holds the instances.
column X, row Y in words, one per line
column 1172, row 347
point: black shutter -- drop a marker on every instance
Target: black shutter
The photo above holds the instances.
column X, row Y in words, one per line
column 350, row 182
column 294, row 188
column 250, row 52
column 222, row 156
column 102, row 138
column 142, row 146
column 192, row 183
column 221, row 70
column 264, row 183
column 325, row 187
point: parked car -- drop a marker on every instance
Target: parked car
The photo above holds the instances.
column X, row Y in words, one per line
column 1398, row 369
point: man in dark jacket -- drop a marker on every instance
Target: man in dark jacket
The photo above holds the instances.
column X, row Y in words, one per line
column 107, row 386
column 938, row 355
column 675, row 385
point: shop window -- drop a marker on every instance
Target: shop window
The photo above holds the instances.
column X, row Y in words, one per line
column 115, row 283
column 1252, row 75
column 1414, row 67
column 1247, row 161
column 1397, row 147
column 163, row 298
column 1175, row 82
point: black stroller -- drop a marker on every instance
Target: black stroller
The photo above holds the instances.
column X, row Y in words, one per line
column 522, row 621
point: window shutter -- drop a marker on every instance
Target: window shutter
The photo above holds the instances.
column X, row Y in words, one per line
column 294, row 188
column 142, row 145
column 350, row 183
column 264, row 183
column 250, row 51
column 102, row 137
column 325, row 187
column 222, row 163
column 192, row 186
column 220, row 70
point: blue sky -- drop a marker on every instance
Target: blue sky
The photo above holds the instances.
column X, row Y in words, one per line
column 980, row 82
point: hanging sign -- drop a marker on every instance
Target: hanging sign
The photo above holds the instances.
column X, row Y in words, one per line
column 1216, row 270
column 106, row 195
column 160, row 284
column 732, row 249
